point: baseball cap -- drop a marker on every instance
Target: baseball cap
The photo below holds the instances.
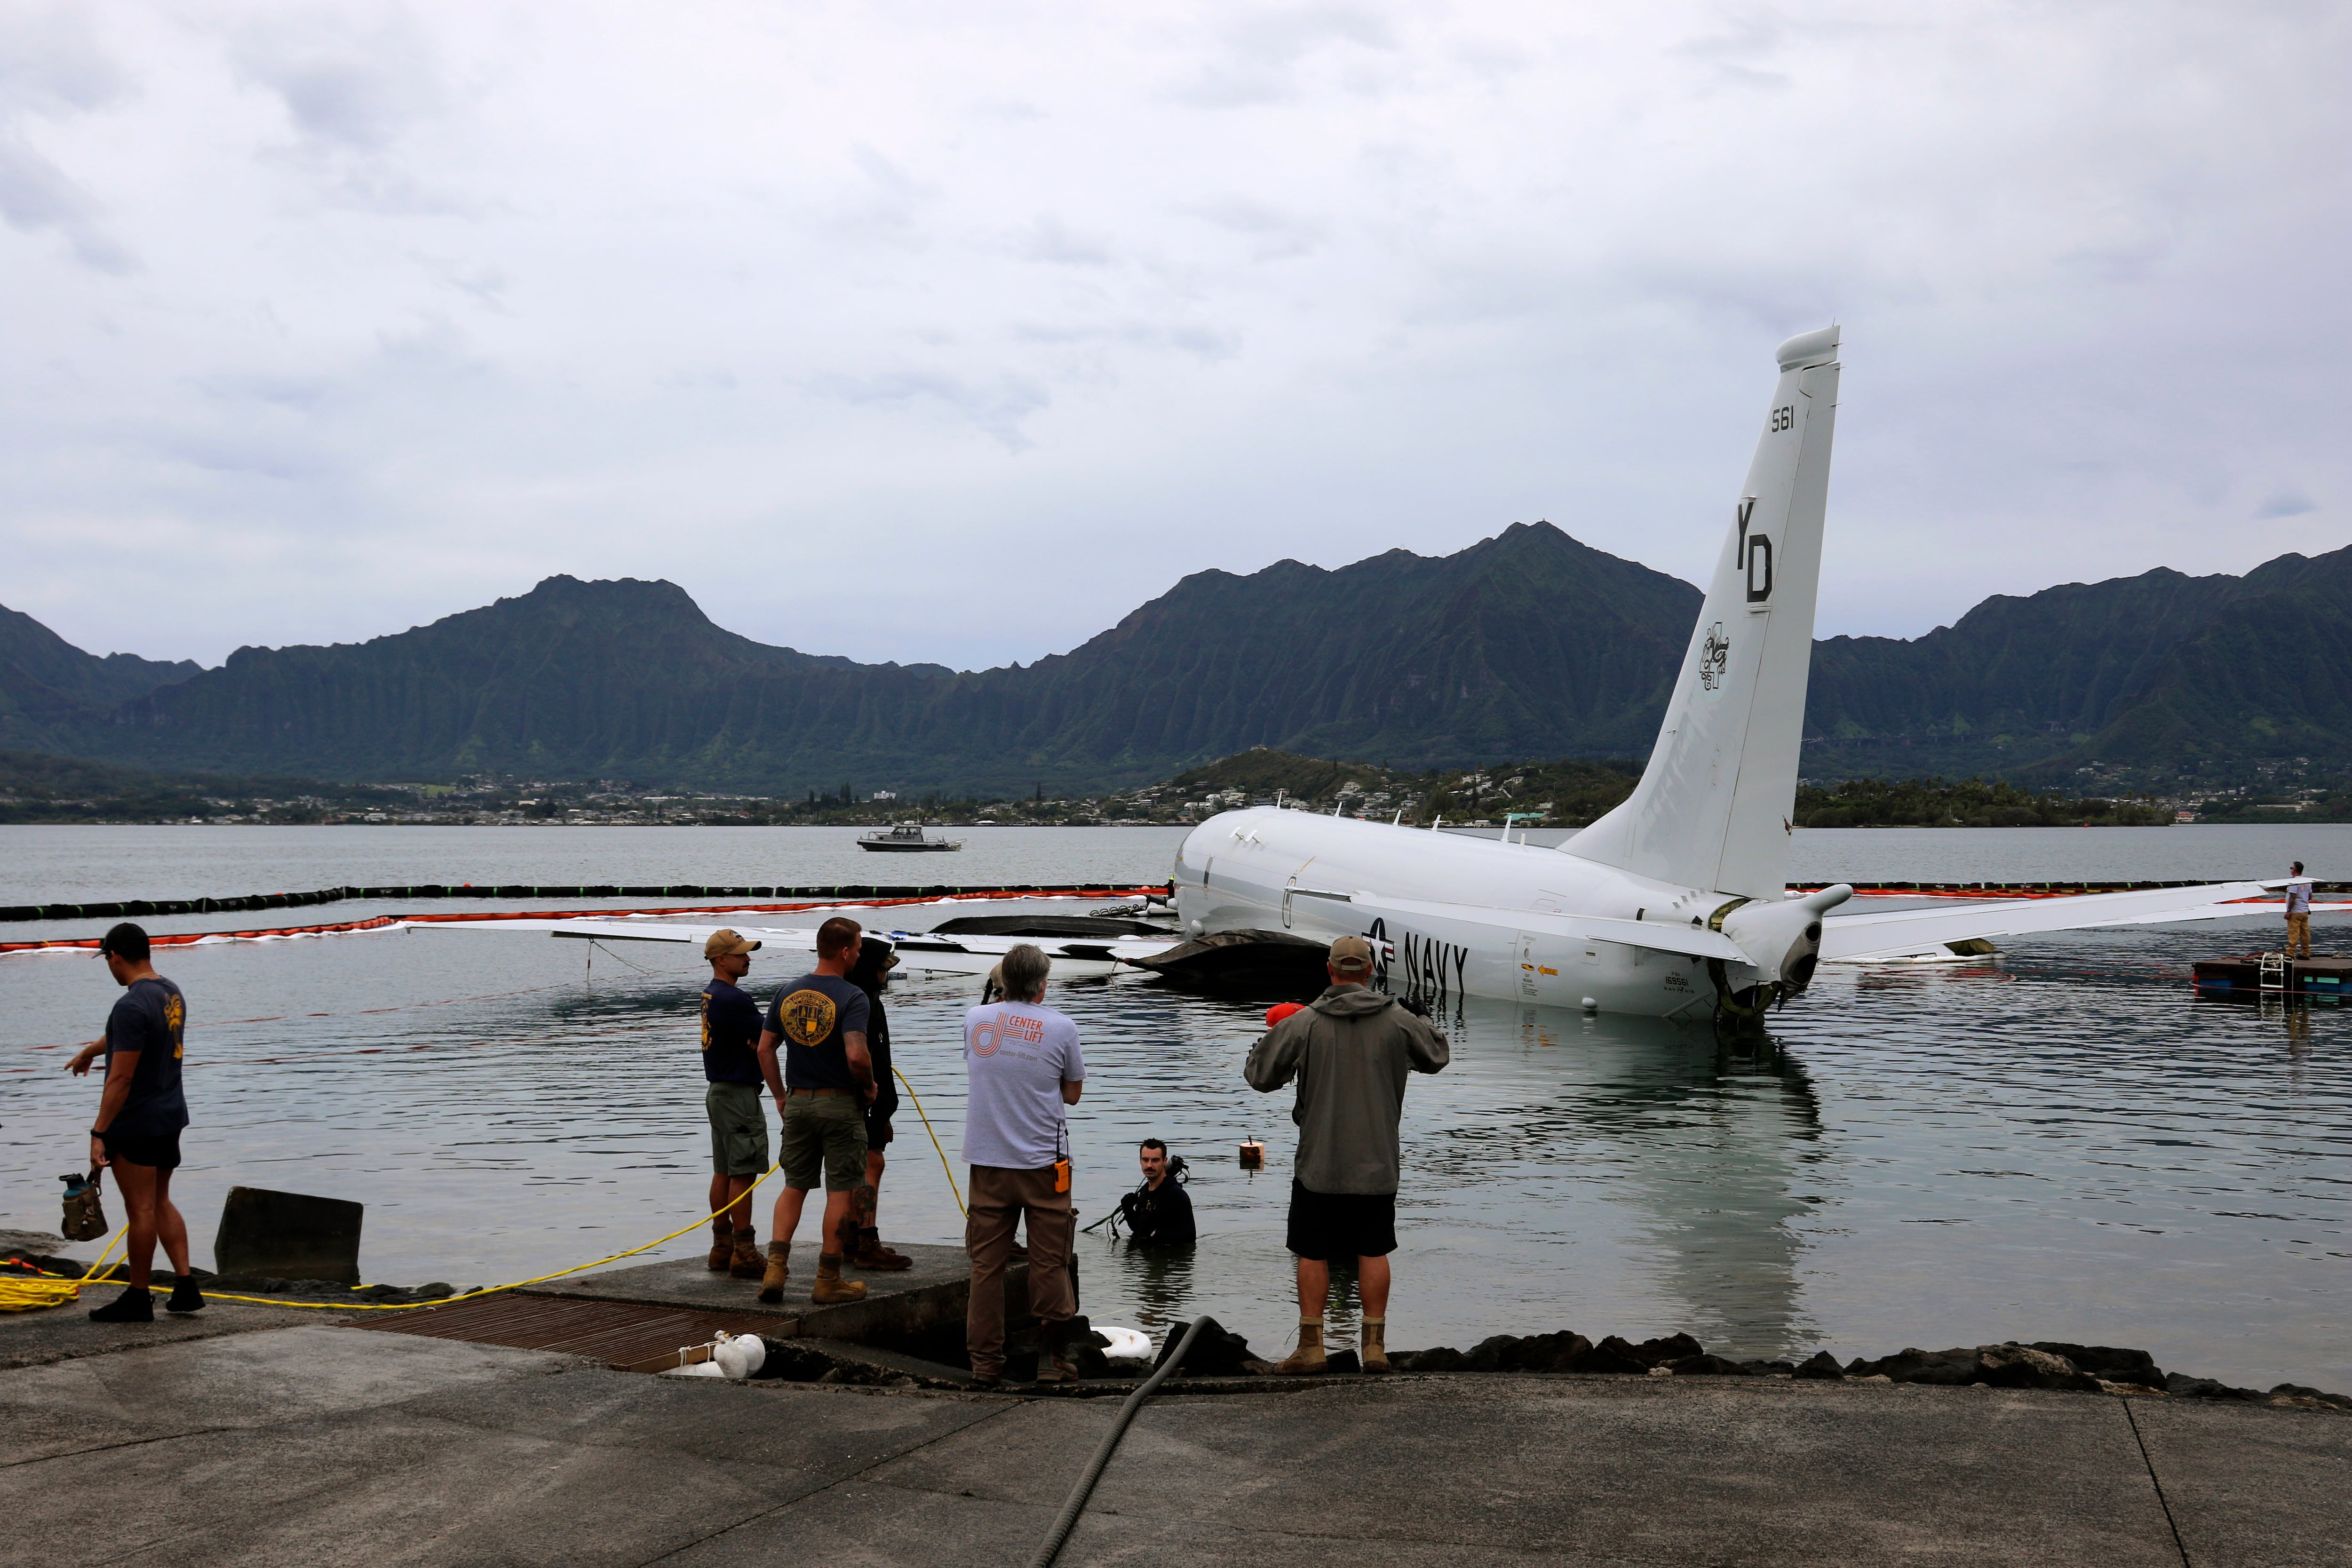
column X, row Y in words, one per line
column 126, row 941
column 724, row 941
column 1350, row 955
column 1281, row 1010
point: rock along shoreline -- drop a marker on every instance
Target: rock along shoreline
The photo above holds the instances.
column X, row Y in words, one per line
column 2010, row 1363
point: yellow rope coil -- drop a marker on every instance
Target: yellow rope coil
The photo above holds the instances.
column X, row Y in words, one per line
column 19, row 1293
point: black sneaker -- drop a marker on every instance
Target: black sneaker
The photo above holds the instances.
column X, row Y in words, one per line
column 134, row 1305
column 185, row 1297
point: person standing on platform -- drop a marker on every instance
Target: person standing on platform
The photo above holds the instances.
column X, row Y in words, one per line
column 140, row 1114
column 823, row 1084
column 1351, row 1051
column 2298, row 913
column 871, row 975
column 1023, row 1066
column 738, row 1122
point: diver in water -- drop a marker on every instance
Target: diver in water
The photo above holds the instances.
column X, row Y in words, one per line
column 1159, row 1211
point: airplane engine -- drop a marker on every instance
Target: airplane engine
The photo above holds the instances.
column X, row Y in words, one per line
column 1783, row 940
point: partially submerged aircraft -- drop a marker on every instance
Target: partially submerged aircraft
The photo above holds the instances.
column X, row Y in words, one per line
column 1675, row 902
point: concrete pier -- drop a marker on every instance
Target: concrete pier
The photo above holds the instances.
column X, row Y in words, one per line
column 265, row 1444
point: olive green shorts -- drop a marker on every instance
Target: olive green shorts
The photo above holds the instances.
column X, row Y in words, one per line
column 738, row 1129
column 824, row 1131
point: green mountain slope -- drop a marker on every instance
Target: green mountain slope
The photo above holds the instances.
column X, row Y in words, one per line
column 2160, row 671
column 2267, row 674
column 49, row 689
column 1527, row 642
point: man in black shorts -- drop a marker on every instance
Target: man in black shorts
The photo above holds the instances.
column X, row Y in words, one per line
column 141, row 1111
column 732, row 1098
column 1350, row 1051
column 871, row 975
column 812, row 1053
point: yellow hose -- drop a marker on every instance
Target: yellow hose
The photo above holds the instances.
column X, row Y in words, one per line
column 935, row 1141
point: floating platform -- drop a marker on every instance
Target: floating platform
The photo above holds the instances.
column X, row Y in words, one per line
column 2275, row 975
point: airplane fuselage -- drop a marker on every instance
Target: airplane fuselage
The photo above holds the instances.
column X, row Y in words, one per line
column 1545, row 927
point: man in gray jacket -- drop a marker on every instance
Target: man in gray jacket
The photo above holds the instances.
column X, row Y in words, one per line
column 1350, row 1052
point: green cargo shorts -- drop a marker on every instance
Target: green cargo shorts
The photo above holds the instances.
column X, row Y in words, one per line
column 738, row 1129
column 827, row 1130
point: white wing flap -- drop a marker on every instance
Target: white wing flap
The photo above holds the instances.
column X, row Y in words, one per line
column 916, row 950
column 1903, row 933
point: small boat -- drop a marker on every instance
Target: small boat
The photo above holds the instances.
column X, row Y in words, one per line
column 905, row 838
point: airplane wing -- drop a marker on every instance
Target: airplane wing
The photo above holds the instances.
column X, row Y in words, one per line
column 957, row 954
column 1910, row 934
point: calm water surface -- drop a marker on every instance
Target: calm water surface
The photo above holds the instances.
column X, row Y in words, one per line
column 2066, row 1146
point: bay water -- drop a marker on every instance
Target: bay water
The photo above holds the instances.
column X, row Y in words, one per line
column 2066, row 1144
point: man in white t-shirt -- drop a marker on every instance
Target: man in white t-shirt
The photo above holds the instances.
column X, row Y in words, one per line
column 1022, row 1061
column 2298, row 913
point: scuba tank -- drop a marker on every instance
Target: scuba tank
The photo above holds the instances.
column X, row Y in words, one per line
column 84, row 1219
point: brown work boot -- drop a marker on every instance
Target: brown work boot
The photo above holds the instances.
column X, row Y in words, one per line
column 1307, row 1361
column 832, row 1289
column 779, row 1269
column 746, row 1262
column 1309, row 1357
column 1376, row 1347
column 722, row 1246
column 875, row 1257
column 1053, row 1369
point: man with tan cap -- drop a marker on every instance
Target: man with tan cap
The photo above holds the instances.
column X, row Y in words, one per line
column 739, row 1126
column 1350, row 1051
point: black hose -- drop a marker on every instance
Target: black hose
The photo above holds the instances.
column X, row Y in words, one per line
column 1068, row 1518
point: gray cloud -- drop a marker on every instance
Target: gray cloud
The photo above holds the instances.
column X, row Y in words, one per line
column 356, row 316
column 54, row 68
column 35, row 195
column 347, row 85
column 1049, row 239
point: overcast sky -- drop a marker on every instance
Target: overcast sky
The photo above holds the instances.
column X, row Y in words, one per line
column 954, row 332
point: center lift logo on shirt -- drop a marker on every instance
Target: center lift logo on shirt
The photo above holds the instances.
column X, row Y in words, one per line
column 1006, row 1028
column 807, row 1018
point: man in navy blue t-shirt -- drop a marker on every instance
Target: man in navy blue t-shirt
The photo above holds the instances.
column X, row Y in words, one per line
column 738, row 1123
column 140, row 1115
column 823, row 1084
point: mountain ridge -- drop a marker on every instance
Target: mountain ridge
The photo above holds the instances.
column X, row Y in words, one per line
column 1527, row 644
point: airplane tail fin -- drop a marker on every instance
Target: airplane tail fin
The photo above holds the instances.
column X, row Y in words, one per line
column 1713, row 809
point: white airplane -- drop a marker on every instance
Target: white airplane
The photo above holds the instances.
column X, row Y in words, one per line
column 1675, row 902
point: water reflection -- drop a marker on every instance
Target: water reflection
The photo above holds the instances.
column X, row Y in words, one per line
column 2068, row 1146
column 1156, row 1281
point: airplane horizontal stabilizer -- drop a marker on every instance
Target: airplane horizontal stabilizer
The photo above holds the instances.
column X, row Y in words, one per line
column 1908, row 933
column 1659, row 936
